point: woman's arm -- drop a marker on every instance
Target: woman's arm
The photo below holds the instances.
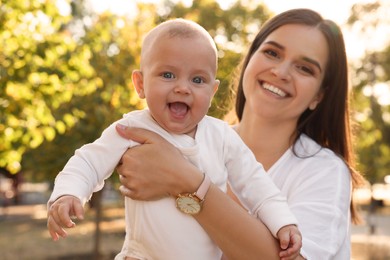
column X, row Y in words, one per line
column 238, row 234
column 158, row 169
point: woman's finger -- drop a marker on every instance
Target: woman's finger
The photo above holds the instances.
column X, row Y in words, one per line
column 138, row 135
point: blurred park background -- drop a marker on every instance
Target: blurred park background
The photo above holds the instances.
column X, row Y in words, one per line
column 65, row 75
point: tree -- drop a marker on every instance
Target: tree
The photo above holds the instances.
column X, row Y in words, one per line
column 41, row 68
column 370, row 76
column 114, row 54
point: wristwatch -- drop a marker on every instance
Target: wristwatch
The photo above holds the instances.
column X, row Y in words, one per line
column 191, row 203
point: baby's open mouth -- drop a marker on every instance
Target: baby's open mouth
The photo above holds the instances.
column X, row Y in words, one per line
column 178, row 109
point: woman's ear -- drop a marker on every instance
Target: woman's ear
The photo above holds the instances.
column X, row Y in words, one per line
column 314, row 103
column 138, row 82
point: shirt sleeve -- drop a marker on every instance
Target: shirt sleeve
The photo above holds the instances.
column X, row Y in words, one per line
column 320, row 201
column 90, row 165
column 254, row 188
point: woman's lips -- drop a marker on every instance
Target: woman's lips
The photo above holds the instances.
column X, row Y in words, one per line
column 273, row 89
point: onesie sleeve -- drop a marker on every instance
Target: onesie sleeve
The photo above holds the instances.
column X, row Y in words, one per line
column 90, row 165
column 253, row 187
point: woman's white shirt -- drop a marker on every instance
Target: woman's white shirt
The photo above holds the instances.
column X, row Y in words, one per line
column 317, row 185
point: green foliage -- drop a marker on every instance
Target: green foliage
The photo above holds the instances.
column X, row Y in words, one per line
column 114, row 54
column 41, row 68
column 372, row 114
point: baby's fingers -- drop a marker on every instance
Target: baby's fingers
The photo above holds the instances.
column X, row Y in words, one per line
column 55, row 230
column 284, row 240
column 78, row 210
column 294, row 248
column 62, row 215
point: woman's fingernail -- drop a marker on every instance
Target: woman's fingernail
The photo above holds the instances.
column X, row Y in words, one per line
column 122, row 127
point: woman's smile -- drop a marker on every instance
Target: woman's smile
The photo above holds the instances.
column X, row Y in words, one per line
column 275, row 90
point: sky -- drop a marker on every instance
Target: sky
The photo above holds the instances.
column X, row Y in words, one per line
column 336, row 10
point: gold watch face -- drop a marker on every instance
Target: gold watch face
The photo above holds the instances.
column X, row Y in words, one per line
column 188, row 205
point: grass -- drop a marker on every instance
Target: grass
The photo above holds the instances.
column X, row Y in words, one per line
column 23, row 235
column 27, row 238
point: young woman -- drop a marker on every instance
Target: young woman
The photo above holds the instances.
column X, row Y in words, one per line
column 293, row 111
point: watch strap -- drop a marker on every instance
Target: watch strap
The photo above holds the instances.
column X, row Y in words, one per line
column 203, row 188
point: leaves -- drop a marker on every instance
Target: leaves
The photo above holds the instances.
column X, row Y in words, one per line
column 40, row 67
column 371, row 79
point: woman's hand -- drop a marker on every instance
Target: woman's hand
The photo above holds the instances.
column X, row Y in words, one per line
column 155, row 168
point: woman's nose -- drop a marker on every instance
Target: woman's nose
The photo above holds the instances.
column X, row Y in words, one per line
column 282, row 71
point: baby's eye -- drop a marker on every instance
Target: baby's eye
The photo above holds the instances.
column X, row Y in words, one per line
column 198, row 80
column 168, row 75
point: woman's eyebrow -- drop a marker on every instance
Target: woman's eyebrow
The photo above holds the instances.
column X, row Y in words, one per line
column 314, row 62
column 277, row 45
column 307, row 59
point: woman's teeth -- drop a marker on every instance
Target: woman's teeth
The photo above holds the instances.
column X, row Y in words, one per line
column 274, row 89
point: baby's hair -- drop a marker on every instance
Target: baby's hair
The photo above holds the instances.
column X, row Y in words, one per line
column 177, row 27
column 183, row 28
column 180, row 27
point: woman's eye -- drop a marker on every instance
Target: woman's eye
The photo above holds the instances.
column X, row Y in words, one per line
column 168, row 75
column 305, row 69
column 197, row 80
column 271, row 53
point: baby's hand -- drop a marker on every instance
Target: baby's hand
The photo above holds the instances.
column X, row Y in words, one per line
column 290, row 242
column 61, row 213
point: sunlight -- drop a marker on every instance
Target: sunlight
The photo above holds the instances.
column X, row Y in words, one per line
column 119, row 7
column 335, row 10
column 63, row 7
column 382, row 93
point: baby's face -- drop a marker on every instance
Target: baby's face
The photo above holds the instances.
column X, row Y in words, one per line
column 179, row 82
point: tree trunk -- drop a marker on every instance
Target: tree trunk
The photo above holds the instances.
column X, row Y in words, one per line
column 96, row 204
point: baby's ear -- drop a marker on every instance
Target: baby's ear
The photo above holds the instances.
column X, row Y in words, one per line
column 138, row 82
column 216, row 85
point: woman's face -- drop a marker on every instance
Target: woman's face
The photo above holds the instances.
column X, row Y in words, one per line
column 284, row 76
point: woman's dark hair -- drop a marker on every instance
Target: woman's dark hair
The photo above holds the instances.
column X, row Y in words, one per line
column 329, row 123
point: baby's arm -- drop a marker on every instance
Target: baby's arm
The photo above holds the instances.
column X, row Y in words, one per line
column 257, row 192
column 60, row 215
column 254, row 188
column 83, row 174
column 290, row 240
